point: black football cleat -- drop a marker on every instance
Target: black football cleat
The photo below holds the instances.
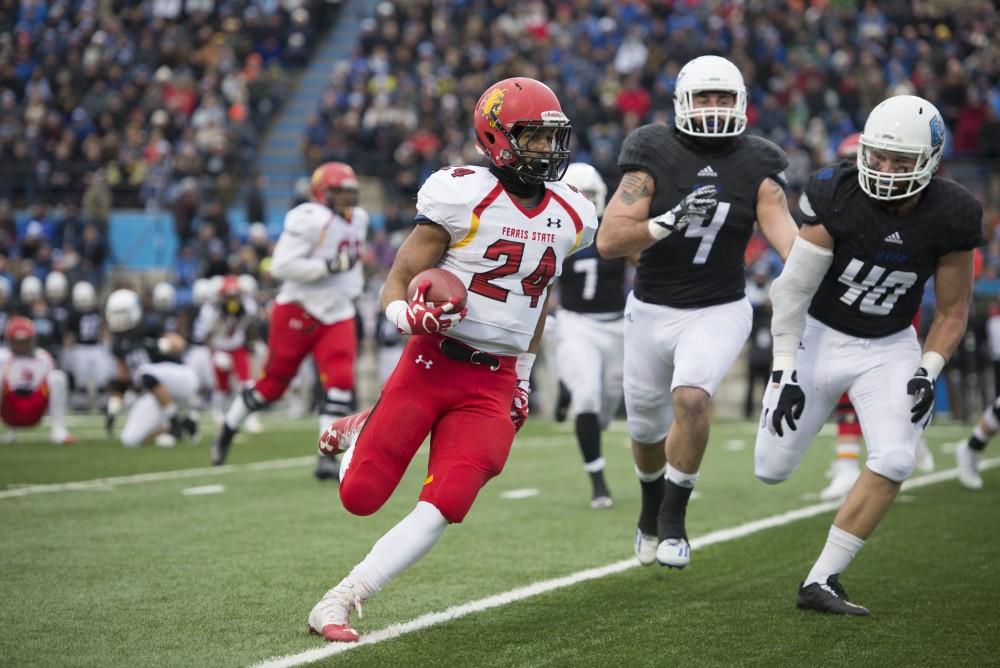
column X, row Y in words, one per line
column 190, row 427
column 829, row 598
column 562, row 403
column 327, row 468
column 220, row 447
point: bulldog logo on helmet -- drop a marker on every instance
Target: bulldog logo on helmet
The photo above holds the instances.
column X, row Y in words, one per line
column 493, row 106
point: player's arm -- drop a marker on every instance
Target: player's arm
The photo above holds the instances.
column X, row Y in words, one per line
column 292, row 258
column 624, row 228
column 808, row 260
column 421, row 250
column 774, row 218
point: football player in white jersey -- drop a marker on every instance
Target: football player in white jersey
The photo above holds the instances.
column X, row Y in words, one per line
column 316, row 257
column 504, row 231
column 591, row 348
column 31, row 383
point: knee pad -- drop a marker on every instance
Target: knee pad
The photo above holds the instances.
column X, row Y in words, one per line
column 896, row 464
column 149, row 381
column 773, row 465
column 336, row 402
column 648, row 419
column 254, row 400
column 455, row 495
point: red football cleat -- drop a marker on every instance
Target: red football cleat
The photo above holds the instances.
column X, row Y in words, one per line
column 341, row 433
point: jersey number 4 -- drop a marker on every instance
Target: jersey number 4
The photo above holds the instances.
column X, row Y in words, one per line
column 512, row 252
column 880, row 291
column 707, row 231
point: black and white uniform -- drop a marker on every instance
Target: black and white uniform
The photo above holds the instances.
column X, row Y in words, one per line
column 590, row 348
column 688, row 316
column 88, row 359
column 139, row 351
column 859, row 337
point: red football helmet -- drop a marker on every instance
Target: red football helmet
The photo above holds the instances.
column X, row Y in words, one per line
column 509, row 115
column 19, row 334
column 336, row 185
column 848, row 148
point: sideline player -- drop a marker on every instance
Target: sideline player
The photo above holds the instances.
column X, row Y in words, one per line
column 504, row 231
column 688, row 201
column 590, row 337
column 316, row 257
column 872, row 235
column 31, row 383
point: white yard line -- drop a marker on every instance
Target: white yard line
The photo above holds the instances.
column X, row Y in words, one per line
column 521, row 593
column 157, row 476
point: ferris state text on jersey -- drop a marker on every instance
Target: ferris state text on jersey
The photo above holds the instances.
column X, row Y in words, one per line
column 880, row 260
column 703, row 266
column 506, row 255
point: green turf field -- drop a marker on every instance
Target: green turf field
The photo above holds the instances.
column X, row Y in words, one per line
column 143, row 570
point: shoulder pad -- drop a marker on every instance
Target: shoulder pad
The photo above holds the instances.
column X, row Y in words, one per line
column 963, row 214
column 642, row 146
column 306, row 219
column 359, row 216
column 448, row 196
column 817, row 199
column 771, row 157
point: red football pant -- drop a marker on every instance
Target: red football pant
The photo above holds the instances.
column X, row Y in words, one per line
column 241, row 367
column 466, row 409
column 294, row 334
column 847, row 418
column 24, row 411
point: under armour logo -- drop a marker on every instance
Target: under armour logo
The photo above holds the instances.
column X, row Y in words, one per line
column 427, row 363
column 555, row 223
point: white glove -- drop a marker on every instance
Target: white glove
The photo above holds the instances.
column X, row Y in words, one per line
column 222, row 360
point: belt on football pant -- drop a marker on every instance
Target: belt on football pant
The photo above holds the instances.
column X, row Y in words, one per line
column 460, row 352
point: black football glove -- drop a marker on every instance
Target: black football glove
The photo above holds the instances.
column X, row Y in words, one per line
column 695, row 206
column 921, row 388
column 783, row 402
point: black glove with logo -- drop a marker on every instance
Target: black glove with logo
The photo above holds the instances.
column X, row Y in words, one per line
column 921, row 388
column 784, row 401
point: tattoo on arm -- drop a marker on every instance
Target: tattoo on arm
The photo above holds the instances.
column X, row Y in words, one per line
column 635, row 187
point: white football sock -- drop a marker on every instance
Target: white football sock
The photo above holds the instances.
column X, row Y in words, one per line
column 401, row 547
column 58, row 396
column 681, row 479
column 238, row 411
column 837, row 554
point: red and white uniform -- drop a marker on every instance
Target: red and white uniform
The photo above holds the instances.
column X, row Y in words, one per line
column 507, row 257
column 25, row 387
column 314, row 310
column 227, row 333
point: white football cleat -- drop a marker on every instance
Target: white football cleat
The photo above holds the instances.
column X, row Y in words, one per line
column 62, row 437
column 252, row 424
column 674, row 553
column 331, row 617
column 844, row 473
column 925, row 458
column 968, row 466
column 601, row 502
column 645, row 547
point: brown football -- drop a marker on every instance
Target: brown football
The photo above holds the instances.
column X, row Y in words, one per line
column 444, row 286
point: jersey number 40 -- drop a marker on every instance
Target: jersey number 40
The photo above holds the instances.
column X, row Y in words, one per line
column 880, row 291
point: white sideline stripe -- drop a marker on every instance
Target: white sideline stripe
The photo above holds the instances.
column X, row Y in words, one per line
column 521, row 593
column 158, row 476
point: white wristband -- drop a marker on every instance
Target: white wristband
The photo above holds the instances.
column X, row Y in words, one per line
column 395, row 311
column 523, row 366
column 657, row 231
column 933, row 362
column 783, row 363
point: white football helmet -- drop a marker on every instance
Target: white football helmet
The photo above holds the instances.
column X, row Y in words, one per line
column 588, row 180
column 248, row 284
column 709, row 73
column 903, row 124
column 123, row 310
column 164, row 297
column 56, row 286
column 30, row 290
column 84, row 296
column 202, row 292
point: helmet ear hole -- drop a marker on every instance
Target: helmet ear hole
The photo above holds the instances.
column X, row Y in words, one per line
column 491, row 138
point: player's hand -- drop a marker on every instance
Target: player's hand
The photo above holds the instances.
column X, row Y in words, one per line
column 342, row 262
column 417, row 317
column 694, row 207
column 222, row 360
column 784, row 401
column 519, row 405
column 921, row 388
